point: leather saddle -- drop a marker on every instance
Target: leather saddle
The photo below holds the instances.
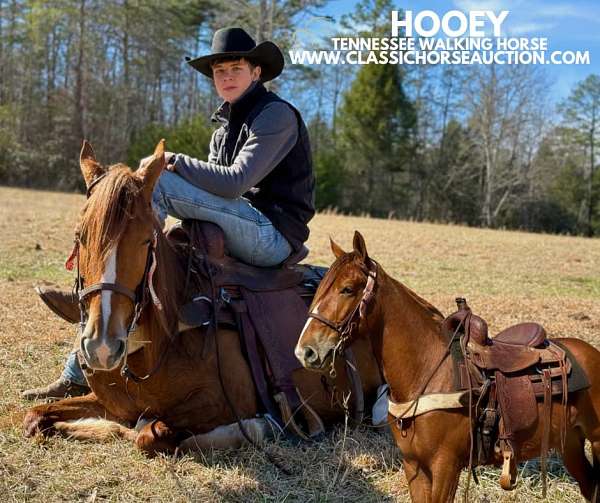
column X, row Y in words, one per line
column 208, row 239
column 511, row 373
column 518, row 347
column 267, row 305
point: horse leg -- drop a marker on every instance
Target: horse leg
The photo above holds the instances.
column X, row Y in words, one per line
column 156, row 437
column 82, row 418
column 445, row 477
column 229, row 436
column 419, row 482
column 577, row 464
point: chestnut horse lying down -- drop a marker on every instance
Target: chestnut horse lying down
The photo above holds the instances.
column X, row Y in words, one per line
column 358, row 300
column 197, row 392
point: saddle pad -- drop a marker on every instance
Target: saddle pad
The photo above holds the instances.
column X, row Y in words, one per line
column 578, row 379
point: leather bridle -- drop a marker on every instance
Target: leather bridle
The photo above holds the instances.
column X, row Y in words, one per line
column 139, row 297
column 346, row 327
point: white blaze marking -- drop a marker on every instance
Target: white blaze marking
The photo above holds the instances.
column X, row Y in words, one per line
column 108, row 276
column 309, row 319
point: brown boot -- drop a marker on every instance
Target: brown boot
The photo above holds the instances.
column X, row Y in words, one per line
column 61, row 388
column 62, row 303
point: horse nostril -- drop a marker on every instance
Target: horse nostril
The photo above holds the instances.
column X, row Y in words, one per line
column 118, row 353
column 310, row 355
column 121, row 349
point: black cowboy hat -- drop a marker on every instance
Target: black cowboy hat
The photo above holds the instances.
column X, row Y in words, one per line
column 228, row 42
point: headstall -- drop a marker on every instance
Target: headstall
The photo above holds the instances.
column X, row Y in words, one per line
column 349, row 324
column 139, row 297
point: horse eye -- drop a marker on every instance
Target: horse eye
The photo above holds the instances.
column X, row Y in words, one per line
column 347, row 291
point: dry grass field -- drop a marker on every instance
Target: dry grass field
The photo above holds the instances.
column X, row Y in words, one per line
column 506, row 276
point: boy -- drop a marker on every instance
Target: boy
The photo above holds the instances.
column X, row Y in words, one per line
column 257, row 184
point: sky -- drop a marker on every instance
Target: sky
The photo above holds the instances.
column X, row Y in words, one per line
column 568, row 25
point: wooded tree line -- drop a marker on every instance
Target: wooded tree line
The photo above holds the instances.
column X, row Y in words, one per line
column 112, row 71
column 482, row 145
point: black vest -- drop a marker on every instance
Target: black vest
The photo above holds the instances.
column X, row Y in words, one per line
column 286, row 195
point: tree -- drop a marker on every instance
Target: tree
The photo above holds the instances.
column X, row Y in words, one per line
column 376, row 126
column 505, row 107
column 375, row 123
column 100, row 70
column 581, row 111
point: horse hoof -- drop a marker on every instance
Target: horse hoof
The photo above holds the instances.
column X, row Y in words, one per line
column 35, row 423
column 507, row 482
column 156, row 438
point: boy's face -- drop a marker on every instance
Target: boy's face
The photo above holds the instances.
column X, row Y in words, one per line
column 232, row 78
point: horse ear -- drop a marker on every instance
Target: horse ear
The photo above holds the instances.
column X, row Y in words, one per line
column 151, row 168
column 335, row 248
column 90, row 167
column 360, row 248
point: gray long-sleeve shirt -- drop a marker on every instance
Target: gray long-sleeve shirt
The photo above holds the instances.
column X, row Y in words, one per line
column 272, row 135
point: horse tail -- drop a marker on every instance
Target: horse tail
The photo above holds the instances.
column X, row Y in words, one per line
column 97, row 429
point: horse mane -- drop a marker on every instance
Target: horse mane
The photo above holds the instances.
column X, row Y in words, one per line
column 106, row 214
column 114, row 202
column 349, row 257
column 425, row 304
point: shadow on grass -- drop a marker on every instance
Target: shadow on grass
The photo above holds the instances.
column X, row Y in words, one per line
column 341, row 467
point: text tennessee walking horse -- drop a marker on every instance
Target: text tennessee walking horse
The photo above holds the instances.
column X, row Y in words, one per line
column 194, row 388
column 357, row 299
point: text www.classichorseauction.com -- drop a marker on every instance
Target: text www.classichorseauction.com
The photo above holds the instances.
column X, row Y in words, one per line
column 465, row 40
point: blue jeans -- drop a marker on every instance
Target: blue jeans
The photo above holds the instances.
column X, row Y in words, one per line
column 249, row 235
column 72, row 370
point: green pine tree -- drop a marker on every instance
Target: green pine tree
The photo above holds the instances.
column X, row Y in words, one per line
column 377, row 129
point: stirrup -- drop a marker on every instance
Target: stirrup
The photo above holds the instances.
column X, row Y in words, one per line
column 508, row 478
column 289, row 422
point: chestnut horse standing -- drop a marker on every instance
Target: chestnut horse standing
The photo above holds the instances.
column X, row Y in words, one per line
column 192, row 390
column 408, row 342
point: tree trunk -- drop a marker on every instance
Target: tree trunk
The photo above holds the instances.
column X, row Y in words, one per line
column 261, row 25
column 591, row 178
column 126, row 80
column 486, row 209
column 2, row 61
column 79, row 119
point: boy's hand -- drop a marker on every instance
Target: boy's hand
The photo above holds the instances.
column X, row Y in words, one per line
column 168, row 156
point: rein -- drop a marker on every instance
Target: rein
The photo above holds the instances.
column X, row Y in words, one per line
column 346, row 327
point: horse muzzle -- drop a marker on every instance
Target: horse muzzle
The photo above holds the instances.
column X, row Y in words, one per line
column 103, row 352
column 314, row 355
